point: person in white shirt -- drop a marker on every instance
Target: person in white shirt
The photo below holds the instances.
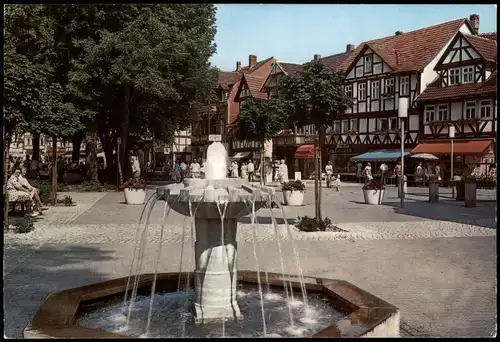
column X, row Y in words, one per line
column 337, row 183
column 234, row 169
column 329, row 173
column 383, row 171
column 283, row 171
column 476, row 172
column 244, row 170
column 251, row 170
column 34, row 192
column 183, row 170
column 195, row 169
column 367, row 172
column 202, row 168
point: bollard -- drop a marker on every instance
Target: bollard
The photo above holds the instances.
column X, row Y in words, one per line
column 460, row 190
column 433, row 190
column 405, row 187
column 470, row 193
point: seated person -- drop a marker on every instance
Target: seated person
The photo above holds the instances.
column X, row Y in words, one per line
column 34, row 192
column 17, row 193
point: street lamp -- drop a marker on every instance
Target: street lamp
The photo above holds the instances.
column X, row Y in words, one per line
column 402, row 115
column 451, row 135
column 120, row 177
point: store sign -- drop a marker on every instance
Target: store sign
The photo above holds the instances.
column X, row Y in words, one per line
column 214, row 137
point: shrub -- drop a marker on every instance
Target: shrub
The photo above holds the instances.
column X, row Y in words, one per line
column 45, row 189
column 22, row 225
column 373, row 185
column 87, row 187
column 311, row 224
column 134, row 183
column 295, row 185
column 68, row 201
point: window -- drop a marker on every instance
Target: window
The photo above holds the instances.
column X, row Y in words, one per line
column 382, row 124
column 375, row 93
column 368, row 64
column 389, row 86
column 362, row 91
column 345, row 126
column 485, row 109
column 454, row 76
column 348, row 90
column 429, row 114
column 470, row 110
column 404, row 85
column 468, row 75
column 336, row 126
column 393, row 124
column 354, row 125
column 443, row 112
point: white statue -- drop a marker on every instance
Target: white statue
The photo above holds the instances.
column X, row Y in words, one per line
column 283, row 171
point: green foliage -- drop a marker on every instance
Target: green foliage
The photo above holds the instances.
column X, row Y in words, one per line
column 22, row 225
column 314, row 95
column 311, row 224
column 258, row 120
column 134, row 183
column 373, row 185
column 87, row 187
column 44, row 188
column 295, row 185
column 68, row 201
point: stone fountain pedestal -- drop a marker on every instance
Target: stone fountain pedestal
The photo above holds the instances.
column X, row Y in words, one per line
column 215, row 206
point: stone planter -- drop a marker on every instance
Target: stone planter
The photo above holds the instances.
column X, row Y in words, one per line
column 374, row 197
column 433, row 191
column 134, row 196
column 293, row 198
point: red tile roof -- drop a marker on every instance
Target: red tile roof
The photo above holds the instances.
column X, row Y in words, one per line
column 334, row 62
column 254, row 85
column 487, row 48
column 489, row 35
column 435, row 92
column 291, row 68
column 257, row 65
column 226, row 78
column 410, row 50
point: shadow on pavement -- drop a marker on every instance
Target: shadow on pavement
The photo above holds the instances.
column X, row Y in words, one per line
column 49, row 269
column 265, row 220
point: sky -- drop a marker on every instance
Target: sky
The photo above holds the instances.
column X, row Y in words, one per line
column 295, row 32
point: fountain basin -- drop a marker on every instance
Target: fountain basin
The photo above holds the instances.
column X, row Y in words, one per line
column 365, row 314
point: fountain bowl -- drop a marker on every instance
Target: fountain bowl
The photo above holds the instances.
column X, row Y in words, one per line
column 365, row 314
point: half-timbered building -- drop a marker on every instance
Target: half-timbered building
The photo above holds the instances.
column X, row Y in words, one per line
column 462, row 96
column 378, row 73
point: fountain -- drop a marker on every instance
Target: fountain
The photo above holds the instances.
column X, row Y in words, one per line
column 214, row 205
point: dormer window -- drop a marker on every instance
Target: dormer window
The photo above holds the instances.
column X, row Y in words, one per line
column 454, row 76
column 468, row 75
column 368, row 63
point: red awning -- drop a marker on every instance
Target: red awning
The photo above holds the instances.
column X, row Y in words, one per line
column 459, row 147
column 305, row 152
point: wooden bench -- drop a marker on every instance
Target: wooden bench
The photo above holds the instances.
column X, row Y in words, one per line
column 22, row 204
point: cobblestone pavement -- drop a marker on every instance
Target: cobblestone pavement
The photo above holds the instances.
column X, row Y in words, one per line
column 436, row 262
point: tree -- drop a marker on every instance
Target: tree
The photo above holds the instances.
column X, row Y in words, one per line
column 315, row 95
column 259, row 121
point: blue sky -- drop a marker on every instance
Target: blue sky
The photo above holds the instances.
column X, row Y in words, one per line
column 295, row 32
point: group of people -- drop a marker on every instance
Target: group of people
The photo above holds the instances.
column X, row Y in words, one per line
column 181, row 169
column 246, row 170
column 20, row 190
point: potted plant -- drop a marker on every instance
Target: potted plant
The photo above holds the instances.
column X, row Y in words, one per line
column 135, row 191
column 293, row 192
column 373, row 192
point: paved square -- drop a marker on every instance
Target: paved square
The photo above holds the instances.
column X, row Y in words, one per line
column 436, row 262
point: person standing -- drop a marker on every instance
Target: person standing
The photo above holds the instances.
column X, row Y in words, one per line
column 251, row 170
column 359, row 171
column 329, row 173
column 476, row 171
column 244, row 171
column 234, row 169
column 195, row 169
column 283, row 171
column 177, row 172
column 367, row 172
column 419, row 174
column 383, row 172
column 202, row 168
column 183, row 167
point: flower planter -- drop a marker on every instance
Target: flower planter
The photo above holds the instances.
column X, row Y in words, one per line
column 374, row 197
column 134, row 196
column 293, row 198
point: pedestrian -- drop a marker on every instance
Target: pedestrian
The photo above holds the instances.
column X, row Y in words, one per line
column 244, row 171
column 234, row 169
column 359, row 171
column 367, row 172
column 195, row 169
column 183, row 167
column 329, row 173
column 177, row 172
column 251, row 170
column 476, row 171
column 383, row 172
column 419, row 174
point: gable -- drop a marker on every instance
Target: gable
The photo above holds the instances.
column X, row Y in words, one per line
column 367, row 63
column 459, row 50
column 243, row 90
column 272, row 78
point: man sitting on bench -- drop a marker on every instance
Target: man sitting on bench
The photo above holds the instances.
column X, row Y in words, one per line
column 35, row 193
column 18, row 194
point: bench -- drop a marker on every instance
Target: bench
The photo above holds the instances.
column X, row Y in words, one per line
column 22, row 204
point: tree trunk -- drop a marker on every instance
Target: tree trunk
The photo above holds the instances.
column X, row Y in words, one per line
column 76, row 141
column 91, row 157
column 125, row 127
column 6, row 145
column 36, row 147
column 54, row 171
column 111, row 171
column 262, row 164
column 320, row 167
column 317, row 208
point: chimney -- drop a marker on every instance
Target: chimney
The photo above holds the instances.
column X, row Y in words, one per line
column 398, row 33
column 474, row 21
column 238, row 66
column 252, row 60
column 349, row 47
column 317, row 57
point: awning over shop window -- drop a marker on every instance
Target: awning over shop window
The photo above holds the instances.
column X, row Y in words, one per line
column 305, row 152
column 240, row 155
column 459, row 147
column 380, row 155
